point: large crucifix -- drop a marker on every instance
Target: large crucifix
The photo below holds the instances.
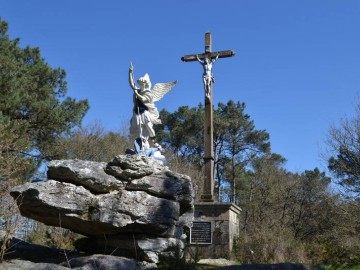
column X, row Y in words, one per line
column 207, row 59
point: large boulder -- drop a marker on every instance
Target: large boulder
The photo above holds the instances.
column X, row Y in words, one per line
column 88, row 174
column 26, row 256
column 130, row 196
column 142, row 247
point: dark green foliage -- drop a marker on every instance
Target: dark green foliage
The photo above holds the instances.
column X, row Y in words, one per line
column 344, row 146
column 346, row 166
column 34, row 114
column 236, row 141
column 182, row 131
column 33, row 95
column 236, row 144
column 314, row 205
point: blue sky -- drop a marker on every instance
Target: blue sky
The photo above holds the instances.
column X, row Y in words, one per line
column 297, row 64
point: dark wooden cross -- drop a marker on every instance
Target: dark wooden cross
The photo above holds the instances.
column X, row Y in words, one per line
column 208, row 189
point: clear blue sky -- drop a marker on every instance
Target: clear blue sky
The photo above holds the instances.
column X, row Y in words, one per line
column 297, row 64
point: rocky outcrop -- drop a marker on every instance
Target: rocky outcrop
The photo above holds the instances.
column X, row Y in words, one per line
column 26, row 256
column 89, row 174
column 132, row 203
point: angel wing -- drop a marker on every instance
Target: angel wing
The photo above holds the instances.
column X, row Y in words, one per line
column 160, row 89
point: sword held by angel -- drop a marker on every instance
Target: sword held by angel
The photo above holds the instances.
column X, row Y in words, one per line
column 145, row 113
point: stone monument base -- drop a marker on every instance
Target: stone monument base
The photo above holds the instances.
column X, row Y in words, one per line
column 214, row 229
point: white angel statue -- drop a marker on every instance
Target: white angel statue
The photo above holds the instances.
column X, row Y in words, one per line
column 145, row 113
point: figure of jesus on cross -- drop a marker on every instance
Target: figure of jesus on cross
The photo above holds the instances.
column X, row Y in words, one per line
column 207, row 60
column 208, row 76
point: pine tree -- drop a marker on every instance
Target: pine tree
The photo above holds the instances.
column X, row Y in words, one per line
column 33, row 96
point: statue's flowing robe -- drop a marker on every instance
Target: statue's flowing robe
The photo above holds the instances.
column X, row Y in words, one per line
column 144, row 113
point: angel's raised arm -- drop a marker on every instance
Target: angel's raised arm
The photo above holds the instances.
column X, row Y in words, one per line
column 131, row 77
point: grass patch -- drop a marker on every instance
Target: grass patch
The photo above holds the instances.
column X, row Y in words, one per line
column 343, row 267
column 201, row 266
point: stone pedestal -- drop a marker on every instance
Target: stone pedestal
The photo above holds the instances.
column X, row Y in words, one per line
column 215, row 227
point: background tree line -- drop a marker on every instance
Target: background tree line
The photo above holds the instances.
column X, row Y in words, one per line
column 286, row 216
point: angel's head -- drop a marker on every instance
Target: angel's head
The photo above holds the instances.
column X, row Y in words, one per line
column 144, row 82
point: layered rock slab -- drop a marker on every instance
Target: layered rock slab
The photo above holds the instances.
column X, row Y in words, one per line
column 131, row 195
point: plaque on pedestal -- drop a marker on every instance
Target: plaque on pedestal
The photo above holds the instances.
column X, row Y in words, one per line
column 215, row 228
column 201, row 232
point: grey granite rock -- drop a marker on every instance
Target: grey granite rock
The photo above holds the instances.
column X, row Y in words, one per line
column 141, row 247
column 133, row 195
column 128, row 167
column 107, row 262
column 77, row 209
column 89, row 174
column 28, row 265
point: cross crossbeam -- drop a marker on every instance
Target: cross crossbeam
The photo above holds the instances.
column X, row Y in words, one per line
column 207, row 59
column 220, row 54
